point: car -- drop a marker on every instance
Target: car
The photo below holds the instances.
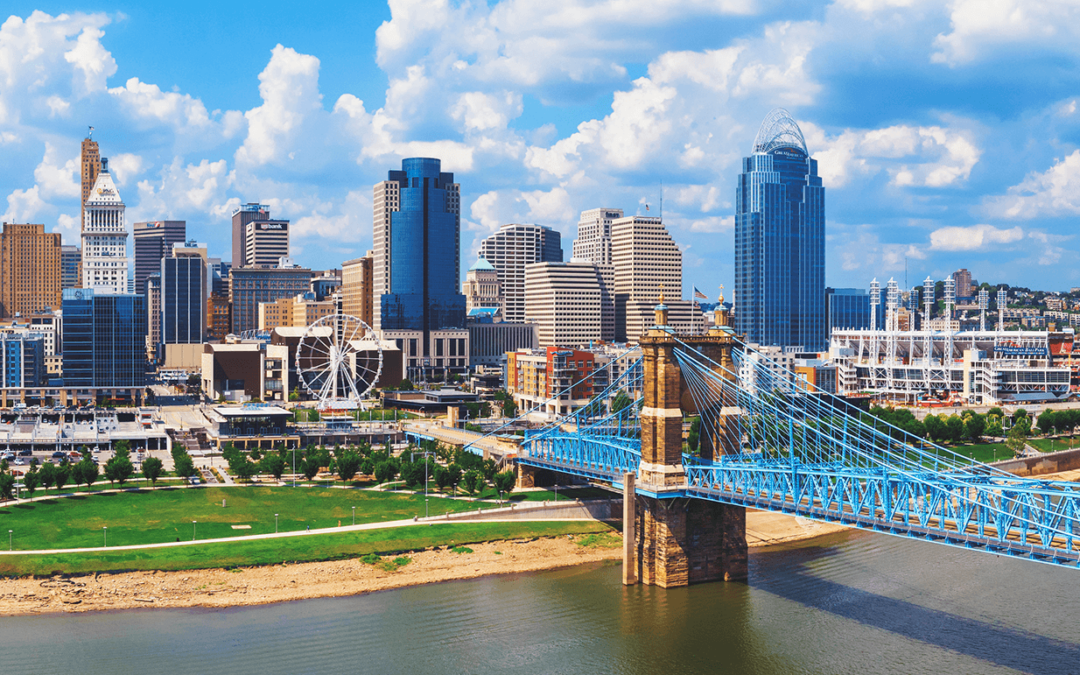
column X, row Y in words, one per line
column 20, row 461
column 26, row 453
column 59, row 454
column 195, row 481
column 75, row 455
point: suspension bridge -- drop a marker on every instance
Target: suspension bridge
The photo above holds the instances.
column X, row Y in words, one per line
column 771, row 441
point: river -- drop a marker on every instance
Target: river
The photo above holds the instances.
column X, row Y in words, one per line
column 849, row 603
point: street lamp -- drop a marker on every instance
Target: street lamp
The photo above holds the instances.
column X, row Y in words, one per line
column 275, row 523
column 193, row 530
column 105, row 536
column 425, row 455
column 354, row 515
column 9, row 540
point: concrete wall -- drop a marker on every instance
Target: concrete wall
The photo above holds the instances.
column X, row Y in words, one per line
column 1067, row 460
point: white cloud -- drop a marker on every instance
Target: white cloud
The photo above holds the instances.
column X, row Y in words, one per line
column 56, row 176
column 713, row 224
column 931, row 156
column 332, row 224
column 1054, row 192
column 125, row 167
column 58, row 107
column 289, row 87
column 981, row 27
column 182, row 188
column 481, row 112
column 972, row 238
column 553, row 208
column 23, row 206
column 145, row 101
column 862, row 250
column 91, row 61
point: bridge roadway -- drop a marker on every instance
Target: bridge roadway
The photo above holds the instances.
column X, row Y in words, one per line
column 477, row 442
column 961, row 510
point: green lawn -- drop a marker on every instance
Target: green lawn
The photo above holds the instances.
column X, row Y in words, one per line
column 983, row 452
column 154, row 516
column 1055, row 444
column 292, row 549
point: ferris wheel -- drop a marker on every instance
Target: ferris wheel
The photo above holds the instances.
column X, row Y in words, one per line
column 339, row 360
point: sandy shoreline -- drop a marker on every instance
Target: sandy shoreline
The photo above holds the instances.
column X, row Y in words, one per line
column 300, row 581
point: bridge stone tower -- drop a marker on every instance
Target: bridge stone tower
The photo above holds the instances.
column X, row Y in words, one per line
column 670, row 540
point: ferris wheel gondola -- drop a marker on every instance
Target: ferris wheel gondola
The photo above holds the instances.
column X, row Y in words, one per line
column 338, row 361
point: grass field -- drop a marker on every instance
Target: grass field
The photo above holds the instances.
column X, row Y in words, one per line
column 155, row 516
column 1055, row 444
column 293, row 549
column 983, row 452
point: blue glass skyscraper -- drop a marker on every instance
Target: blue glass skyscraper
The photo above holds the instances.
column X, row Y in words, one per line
column 420, row 244
column 780, row 240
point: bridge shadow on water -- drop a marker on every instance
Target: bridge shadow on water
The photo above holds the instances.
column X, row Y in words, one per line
column 790, row 573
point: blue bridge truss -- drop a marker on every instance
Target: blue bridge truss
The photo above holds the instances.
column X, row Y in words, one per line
column 789, row 447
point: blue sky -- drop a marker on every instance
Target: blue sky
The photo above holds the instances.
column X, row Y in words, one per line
column 947, row 134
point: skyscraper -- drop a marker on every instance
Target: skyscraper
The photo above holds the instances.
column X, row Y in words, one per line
column 240, row 218
column 417, row 261
column 265, row 242
column 183, row 295
column 70, row 266
column 104, row 342
column 153, row 243
column 104, row 237
column 512, row 248
column 89, row 166
column 593, row 241
column 356, row 292
column 29, row 270
column 780, row 240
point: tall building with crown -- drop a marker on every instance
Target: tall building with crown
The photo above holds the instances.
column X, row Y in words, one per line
column 89, row 166
column 780, row 240
column 104, row 237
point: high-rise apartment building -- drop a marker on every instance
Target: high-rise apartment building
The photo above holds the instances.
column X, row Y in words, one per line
column 152, row 293
column 104, row 237
column 417, row 258
column 780, row 240
column 265, row 242
column 240, row 219
column 566, row 302
column 89, row 166
column 512, row 248
column 248, row 286
column 646, row 261
column 29, row 270
column 965, row 285
column 482, row 288
column 70, row 266
column 357, row 293
column 593, row 241
column 183, row 294
column 153, row 242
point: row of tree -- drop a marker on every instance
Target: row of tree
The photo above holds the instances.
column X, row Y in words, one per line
column 119, row 469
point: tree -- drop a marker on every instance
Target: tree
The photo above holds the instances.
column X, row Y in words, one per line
column 272, row 463
column 30, row 482
column 996, row 411
column 7, row 486
column 348, row 463
column 412, row 473
column 993, row 426
column 151, row 470
column 936, row 429
column 255, row 454
column 621, row 402
column 472, row 481
column 185, row 466
column 47, row 475
column 1048, row 422
column 311, row 466
column 974, row 426
column 509, row 408
column 693, row 439
column 405, row 385
column 955, row 426
column 61, row 475
column 505, row 482
column 245, row 469
column 119, row 468
column 453, row 476
column 441, row 477
column 488, row 469
column 86, row 472
column 1016, row 440
column 294, row 395
column 385, row 471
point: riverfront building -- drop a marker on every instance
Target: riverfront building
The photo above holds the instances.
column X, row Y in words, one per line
column 104, row 344
column 780, row 240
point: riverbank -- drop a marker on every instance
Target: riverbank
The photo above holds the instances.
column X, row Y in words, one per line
column 299, row 581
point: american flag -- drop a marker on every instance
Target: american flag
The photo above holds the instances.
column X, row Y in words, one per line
column 698, row 295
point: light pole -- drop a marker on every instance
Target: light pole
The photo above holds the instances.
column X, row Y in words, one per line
column 193, row 530
column 275, row 523
column 425, row 455
column 354, row 515
column 105, row 536
column 9, row 540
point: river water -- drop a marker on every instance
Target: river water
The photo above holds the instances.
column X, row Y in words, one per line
column 850, row 603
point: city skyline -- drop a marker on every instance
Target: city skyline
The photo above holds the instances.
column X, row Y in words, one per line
column 934, row 152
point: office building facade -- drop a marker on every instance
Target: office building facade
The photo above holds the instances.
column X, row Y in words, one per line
column 265, row 242
column 104, row 341
column 70, row 266
column 89, row 166
column 357, row 293
column 417, row 258
column 847, row 309
column 240, row 218
column 183, row 295
column 512, row 248
column 248, row 286
column 566, row 302
column 153, row 242
column 30, row 270
column 780, row 240
column 593, row 241
column 482, row 288
column 104, row 237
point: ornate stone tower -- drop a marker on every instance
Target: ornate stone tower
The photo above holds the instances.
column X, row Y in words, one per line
column 678, row 541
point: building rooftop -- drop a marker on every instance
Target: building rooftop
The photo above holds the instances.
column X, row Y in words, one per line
column 481, row 264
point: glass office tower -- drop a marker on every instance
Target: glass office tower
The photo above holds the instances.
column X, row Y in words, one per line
column 847, row 308
column 104, row 339
column 423, row 293
column 780, row 240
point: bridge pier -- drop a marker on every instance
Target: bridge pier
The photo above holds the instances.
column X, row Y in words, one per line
column 677, row 540
column 526, row 476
